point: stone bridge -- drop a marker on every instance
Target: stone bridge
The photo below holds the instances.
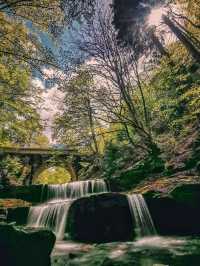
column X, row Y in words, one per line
column 37, row 160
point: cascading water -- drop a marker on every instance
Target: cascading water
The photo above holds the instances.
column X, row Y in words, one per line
column 141, row 215
column 53, row 213
column 77, row 189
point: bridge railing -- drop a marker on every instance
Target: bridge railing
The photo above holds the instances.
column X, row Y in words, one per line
column 13, row 150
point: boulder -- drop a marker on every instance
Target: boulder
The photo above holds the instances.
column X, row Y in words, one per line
column 100, row 218
column 177, row 213
column 22, row 248
column 18, row 215
column 188, row 194
column 33, row 193
column 3, row 215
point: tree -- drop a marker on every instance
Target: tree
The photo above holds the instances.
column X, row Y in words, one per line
column 18, row 103
column 10, row 171
column 46, row 12
column 185, row 39
column 23, row 47
column 40, row 141
column 117, row 68
column 20, row 18
column 54, row 175
column 131, row 21
column 76, row 124
column 174, row 101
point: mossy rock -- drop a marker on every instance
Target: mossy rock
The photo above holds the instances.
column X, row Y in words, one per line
column 22, row 248
column 188, row 194
column 177, row 213
column 33, row 193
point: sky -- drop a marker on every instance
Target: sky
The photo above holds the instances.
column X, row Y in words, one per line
column 50, row 106
column 52, row 97
column 155, row 17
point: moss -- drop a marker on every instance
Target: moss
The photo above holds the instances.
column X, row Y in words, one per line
column 13, row 203
column 130, row 178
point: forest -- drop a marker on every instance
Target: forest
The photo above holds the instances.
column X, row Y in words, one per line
column 103, row 98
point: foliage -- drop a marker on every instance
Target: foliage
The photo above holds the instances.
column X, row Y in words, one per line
column 22, row 22
column 176, row 89
column 54, row 175
column 146, row 112
column 48, row 13
column 133, row 118
column 76, row 125
column 18, row 114
column 40, row 141
column 12, row 169
column 125, row 168
column 20, row 52
column 22, row 46
column 119, row 94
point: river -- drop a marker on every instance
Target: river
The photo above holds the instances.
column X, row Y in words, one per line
column 148, row 251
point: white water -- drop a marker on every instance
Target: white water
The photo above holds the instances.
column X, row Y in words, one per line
column 141, row 216
column 77, row 189
column 53, row 213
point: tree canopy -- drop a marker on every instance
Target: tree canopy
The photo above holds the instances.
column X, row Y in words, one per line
column 128, row 102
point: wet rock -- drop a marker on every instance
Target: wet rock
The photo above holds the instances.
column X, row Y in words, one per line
column 188, row 194
column 100, row 218
column 145, row 252
column 3, row 215
column 18, row 215
column 33, row 193
column 177, row 213
column 22, row 248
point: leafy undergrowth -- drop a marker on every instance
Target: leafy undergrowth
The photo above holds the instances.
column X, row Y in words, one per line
column 13, row 203
column 165, row 184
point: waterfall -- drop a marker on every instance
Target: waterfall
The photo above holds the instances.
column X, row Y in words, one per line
column 141, row 215
column 53, row 213
column 76, row 189
column 52, row 216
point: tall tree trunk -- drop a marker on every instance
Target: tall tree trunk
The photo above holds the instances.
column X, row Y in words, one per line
column 91, row 121
column 158, row 44
column 185, row 41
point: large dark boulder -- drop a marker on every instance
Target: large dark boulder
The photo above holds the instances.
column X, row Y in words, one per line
column 22, row 248
column 18, row 215
column 33, row 193
column 177, row 213
column 188, row 194
column 100, row 218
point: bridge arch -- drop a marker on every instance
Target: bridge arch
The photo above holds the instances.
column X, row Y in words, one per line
column 68, row 167
column 36, row 160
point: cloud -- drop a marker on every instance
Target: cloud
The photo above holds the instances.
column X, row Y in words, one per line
column 155, row 16
column 52, row 100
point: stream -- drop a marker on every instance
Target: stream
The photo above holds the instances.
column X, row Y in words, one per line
column 147, row 251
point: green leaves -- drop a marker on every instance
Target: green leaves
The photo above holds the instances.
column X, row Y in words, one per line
column 76, row 125
column 18, row 115
column 12, row 168
column 54, row 175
